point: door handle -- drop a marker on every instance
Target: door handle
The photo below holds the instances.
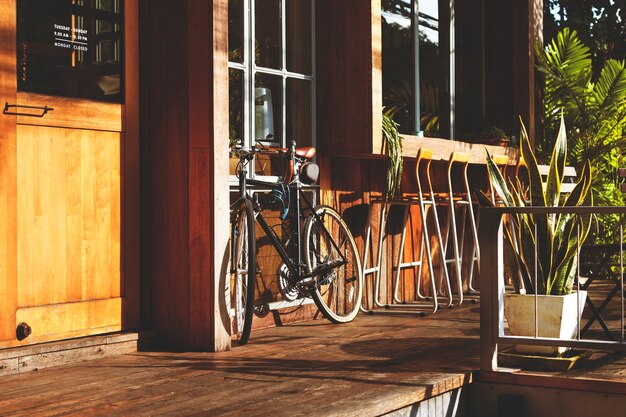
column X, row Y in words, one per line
column 7, row 106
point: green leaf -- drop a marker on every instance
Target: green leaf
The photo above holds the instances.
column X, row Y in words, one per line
column 562, row 273
column 610, row 89
column 512, row 263
column 498, row 182
column 483, row 200
column 526, row 243
column 557, row 167
column 538, row 199
column 580, row 191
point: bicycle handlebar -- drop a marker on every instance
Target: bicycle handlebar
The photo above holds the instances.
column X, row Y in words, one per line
column 247, row 152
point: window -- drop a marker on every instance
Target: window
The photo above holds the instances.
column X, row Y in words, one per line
column 71, row 48
column 271, row 73
column 418, row 55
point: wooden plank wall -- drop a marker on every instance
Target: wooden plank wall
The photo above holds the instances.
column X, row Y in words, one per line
column 185, row 136
column 512, row 28
column 348, row 75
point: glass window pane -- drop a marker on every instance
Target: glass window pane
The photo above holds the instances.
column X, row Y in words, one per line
column 72, row 50
column 433, row 87
column 235, row 30
column 398, row 73
column 107, row 5
column 298, row 15
column 299, row 124
column 267, row 42
column 268, row 94
column 235, row 111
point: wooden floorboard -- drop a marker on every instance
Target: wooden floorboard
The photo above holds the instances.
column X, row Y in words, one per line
column 372, row 366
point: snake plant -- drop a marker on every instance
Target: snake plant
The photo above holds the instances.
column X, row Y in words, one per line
column 556, row 236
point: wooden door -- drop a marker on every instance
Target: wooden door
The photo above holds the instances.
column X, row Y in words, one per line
column 69, row 185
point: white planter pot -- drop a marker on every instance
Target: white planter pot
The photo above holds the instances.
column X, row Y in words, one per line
column 557, row 318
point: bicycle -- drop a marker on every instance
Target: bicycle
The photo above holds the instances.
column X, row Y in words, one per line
column 320, row 257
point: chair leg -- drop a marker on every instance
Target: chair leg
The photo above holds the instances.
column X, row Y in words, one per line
column 455, row 247
column 404, row 265
column 385, row 308
column 475, row 259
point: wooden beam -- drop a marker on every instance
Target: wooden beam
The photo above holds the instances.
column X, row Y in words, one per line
column 8, row 175
column 165, row 141
column 218, row 155
column 186, row 131
column 552, row 381
column 208, row 174
column 348, row 75
column 131, row 173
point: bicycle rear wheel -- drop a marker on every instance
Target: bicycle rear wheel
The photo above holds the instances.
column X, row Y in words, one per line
column 330, row 249
column 243, row 270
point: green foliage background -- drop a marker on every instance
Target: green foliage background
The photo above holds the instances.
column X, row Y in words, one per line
column 594, row 109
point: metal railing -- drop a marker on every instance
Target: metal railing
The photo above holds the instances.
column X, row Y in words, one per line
column 492, row 286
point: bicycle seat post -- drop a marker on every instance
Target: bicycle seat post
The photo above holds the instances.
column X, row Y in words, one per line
column 242, row 172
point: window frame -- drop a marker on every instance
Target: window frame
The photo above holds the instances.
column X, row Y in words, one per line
column 250, row 69
column 414, row 6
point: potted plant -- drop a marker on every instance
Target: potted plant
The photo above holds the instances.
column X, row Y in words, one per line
column 492, row 135
column 558, row 237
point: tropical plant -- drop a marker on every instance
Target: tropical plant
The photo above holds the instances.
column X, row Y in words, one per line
column 393, row 149
column 551, row 239
column 594, row 109
column 400, row 100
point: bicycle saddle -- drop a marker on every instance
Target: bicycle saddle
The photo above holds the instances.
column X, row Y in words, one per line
column 307, row 152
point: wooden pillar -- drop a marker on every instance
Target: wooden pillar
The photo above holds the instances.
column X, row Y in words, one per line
column 348, row 76
column 8, row 175
column 185, row 134
column 512, row 29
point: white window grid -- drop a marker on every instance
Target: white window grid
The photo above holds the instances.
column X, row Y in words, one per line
column 249, row 70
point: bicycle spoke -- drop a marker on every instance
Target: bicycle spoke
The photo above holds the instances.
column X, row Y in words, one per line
column 341, row 280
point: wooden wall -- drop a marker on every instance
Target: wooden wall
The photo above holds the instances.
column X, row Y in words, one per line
column 185, row 131
column 512, row 28
column 348, row 76
column 185, row 138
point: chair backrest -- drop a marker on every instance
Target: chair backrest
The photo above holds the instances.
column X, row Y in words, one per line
column 422, row 170
column 569, row 178
column 462, row 159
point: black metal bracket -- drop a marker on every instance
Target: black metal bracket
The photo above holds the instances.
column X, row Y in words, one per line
column 7, row 106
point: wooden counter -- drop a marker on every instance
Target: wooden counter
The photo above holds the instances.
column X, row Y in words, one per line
column 442, row 148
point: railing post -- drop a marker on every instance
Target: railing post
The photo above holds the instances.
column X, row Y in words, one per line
column 491, row 269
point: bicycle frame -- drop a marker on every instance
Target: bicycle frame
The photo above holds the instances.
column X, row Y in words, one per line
column 296, row 266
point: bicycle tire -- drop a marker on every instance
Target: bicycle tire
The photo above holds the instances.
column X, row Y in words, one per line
column 338, row 291
column 243, row 270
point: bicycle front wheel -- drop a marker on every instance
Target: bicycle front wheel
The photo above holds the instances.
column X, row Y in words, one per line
column 330, row 249
column 243, row 270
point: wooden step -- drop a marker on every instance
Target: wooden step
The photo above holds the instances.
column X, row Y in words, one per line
column 31, row 358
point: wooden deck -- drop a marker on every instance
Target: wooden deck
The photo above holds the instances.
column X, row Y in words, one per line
column 372, row 366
